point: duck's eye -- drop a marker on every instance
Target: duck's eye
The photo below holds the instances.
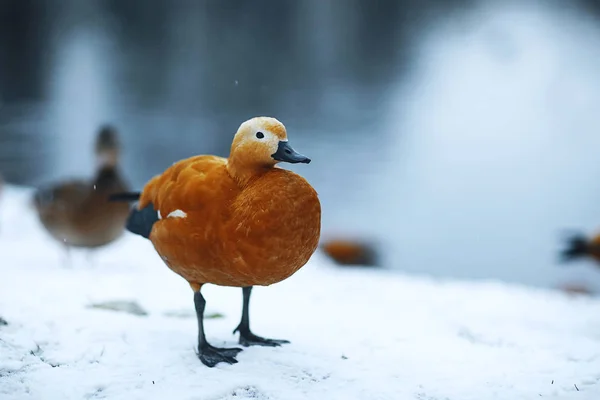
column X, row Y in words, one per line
column 260, row 135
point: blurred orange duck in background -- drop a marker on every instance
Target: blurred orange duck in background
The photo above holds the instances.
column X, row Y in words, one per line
column 77, row 212
column 350, row 252
column 241, row 221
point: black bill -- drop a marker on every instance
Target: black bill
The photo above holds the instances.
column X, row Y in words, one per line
column 286, row 153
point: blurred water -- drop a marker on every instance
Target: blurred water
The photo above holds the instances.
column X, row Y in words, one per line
column 500, row 146
column 178, row 78
column 459, row 134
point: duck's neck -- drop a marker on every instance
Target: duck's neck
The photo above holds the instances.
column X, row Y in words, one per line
column 242, row 173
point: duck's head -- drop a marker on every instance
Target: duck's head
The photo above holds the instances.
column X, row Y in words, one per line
column 263, row 142
column 107, row 147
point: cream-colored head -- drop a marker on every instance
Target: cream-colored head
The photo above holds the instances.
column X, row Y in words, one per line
column 263, row 142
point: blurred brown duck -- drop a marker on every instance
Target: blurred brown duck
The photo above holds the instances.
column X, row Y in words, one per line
column 77, row 213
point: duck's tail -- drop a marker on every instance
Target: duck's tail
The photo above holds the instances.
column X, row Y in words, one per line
column 141, row 221
column 577, row 246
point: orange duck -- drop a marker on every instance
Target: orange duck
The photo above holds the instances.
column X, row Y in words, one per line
column 77, row 213
column 350, row 252
column 578, row 246
column 239, row 222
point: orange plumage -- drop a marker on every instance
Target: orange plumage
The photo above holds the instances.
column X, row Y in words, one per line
column 240, row 221
column 350, row 252
column 257, row 229
column 256, row 234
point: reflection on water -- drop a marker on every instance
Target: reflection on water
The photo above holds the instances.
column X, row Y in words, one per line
column 424, row 120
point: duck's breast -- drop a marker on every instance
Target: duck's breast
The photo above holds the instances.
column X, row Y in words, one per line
column 275, row 225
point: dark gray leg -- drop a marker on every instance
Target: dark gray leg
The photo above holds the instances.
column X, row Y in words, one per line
column 247, row 338
column 209, row 355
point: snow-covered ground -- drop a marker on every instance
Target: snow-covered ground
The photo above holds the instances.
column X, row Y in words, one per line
column 356, row 333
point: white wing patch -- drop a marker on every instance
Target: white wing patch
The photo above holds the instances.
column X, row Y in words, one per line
column 177, row 214
column 159, row 216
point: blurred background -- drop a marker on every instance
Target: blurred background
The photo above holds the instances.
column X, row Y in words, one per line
column 461, row 137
